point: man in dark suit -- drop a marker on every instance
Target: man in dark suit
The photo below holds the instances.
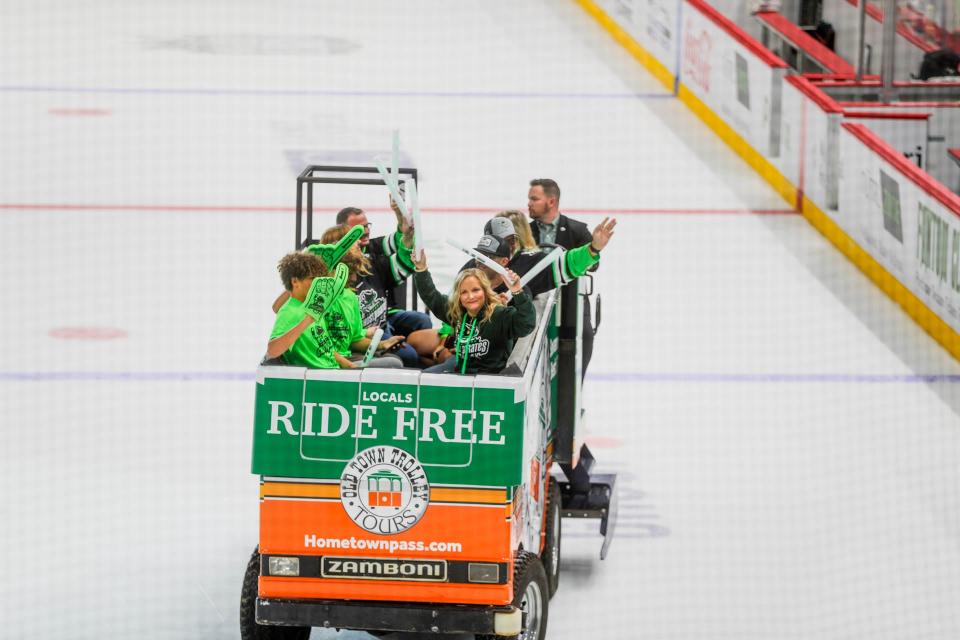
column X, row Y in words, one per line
column 549, row 226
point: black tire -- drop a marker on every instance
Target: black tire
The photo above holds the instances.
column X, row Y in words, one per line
column 551, row 540
column 249, row 629
column 531, row 596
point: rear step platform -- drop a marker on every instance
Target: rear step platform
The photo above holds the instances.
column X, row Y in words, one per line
column 584, row 495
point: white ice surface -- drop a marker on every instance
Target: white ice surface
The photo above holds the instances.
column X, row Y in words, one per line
column 770, row 487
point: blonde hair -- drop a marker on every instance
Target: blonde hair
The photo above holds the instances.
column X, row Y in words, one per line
column 455, row 310
column 359, row 264
column 522, row 226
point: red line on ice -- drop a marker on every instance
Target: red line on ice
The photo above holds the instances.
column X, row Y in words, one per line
column 440, row 209
column 79, row 112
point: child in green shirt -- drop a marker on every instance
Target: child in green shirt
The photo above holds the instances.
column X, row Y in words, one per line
column 301, row 340
column 345, row 337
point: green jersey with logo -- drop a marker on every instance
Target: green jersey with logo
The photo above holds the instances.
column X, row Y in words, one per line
column 344, row 322
column 314, row 348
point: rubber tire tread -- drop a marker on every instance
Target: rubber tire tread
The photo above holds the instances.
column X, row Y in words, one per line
column 553, row 503
column 249, row 629
column 526, row 568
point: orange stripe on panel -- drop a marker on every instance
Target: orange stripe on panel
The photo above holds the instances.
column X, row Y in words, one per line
column 488, row 496
column 454, row 532
column 299, row 490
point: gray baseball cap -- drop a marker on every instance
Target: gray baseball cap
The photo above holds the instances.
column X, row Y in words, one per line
column 494, row 247
column 500, row 228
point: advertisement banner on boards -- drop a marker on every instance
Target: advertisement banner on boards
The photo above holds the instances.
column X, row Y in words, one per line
column 820, row 156
column 937, row 269
column 652, row 23
column 911, row 233
column 944, row 125
column 730, row 79
column 909, row 136
column 873, row 197
column 791, row 130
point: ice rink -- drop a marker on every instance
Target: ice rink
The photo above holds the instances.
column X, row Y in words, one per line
column 787, row 439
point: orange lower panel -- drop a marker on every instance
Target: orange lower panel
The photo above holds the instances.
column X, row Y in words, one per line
column 446, row 531
column 324, row 589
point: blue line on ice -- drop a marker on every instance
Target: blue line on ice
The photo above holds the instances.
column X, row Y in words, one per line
column 869, row 378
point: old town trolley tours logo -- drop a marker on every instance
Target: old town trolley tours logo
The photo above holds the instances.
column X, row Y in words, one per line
column 384, row 490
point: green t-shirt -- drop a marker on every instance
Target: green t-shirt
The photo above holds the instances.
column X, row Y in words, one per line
column 313, row 348
column 344, row 322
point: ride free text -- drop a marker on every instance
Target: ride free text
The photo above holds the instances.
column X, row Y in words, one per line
column 328, row 420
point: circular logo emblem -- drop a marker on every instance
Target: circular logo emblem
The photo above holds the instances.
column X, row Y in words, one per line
column 384, row 490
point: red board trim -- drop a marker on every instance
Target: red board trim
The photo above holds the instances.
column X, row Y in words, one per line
column 737, row 34
column 808, row 44
column 828, row 78
column 927, row 84
column 893, row 157
column 834, row 81
column 886, row 115
column 822, row 100
column 901, row 105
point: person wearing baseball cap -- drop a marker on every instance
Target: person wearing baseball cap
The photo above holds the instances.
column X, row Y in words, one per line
column 494, row 247
column 502, row 228
column 501, row 243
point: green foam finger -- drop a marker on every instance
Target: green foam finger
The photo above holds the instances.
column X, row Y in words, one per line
column 325, row 291
column 340, row 277
column 331, row 254
column 347, row 241
column 316, row 304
